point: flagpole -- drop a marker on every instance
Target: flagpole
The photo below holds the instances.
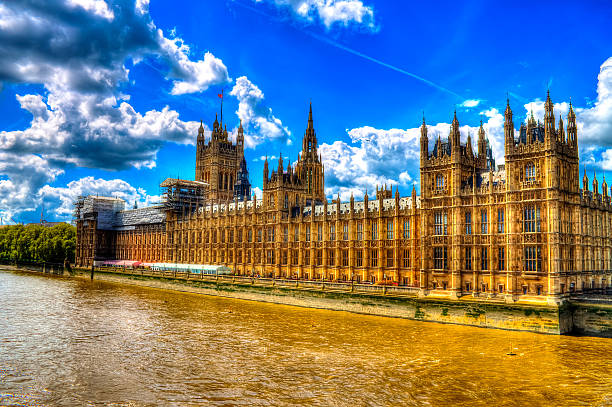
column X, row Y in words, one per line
column 221, row 108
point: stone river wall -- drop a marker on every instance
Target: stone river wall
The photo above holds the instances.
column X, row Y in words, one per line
column 593, row 319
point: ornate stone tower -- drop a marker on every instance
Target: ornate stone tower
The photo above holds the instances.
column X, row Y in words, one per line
column 242, row 188
column 309, row 168
column 543, row 198
column 218, row 162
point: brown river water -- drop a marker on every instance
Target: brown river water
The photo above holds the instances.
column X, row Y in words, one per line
column 70, row 342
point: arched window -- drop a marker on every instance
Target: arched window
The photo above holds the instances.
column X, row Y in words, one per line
column 530, row 172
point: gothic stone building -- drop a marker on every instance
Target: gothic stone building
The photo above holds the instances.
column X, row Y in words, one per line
column 524, row 230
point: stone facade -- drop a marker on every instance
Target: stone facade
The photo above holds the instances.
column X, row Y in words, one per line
column 521, row 231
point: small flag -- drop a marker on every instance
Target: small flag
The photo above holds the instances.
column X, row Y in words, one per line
column 220, row 95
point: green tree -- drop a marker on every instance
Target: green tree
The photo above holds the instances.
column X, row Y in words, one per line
column 38, row 243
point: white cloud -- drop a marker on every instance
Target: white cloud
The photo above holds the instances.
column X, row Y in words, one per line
column 331, row 12
column 83, row 118
column 376, row 156
column 259, row 122
column 63, row 198
column 98, row 7
column 84, row 130
column 192, row 76
column 258, row 192
column 470, row 103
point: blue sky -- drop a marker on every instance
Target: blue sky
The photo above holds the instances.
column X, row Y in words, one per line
column 104, row 96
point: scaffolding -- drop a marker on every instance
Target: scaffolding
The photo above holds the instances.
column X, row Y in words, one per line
column 182, row 196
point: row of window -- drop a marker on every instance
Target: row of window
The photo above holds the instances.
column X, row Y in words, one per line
column 531, row 221
column 268, row 235
column 292, row 257
column 532, row 258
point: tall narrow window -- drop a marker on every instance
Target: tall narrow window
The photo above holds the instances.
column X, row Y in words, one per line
column 439, row 182
column 406, row 258
column 440, row 223
column 359, row 231
column 359, row 257
column 468, row 258
column 500, row 221
column 285, row 234
column 468, row 223
column 484, row 259
column 330, row 257
column 501, row 259
column 374, row 226
column 332, row 232
column 406, row 231
column 345, row 231
column 390, row 258
column 440, row 258
column 296, row 233
column 308, row 233
column 286, row 204
column 531, row 219
column 390, row 230
column 532, row 258
column 374, row 258
column 484, row 224
column 319, row 232
column 530, row 172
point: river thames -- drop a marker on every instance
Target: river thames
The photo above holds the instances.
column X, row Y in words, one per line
column 70, row 342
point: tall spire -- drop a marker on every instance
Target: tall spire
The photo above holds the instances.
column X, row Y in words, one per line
column 455, row 135
column 424, row 142
column 508, row 128
column 482, row 143
column 572, row 133
column 310, row 124
column 549, row 118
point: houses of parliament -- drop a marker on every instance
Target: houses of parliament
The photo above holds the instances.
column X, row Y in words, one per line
column 528, row 229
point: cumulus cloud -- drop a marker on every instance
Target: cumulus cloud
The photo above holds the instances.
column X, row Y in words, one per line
column 330, row 12
column 378, row 156
column 78, row 51
column 63, row 198
column 192, row 76
column 470, row 103
column 375, row 157
column 259, row 122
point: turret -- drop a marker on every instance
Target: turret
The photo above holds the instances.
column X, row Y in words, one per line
column 309, row 143
column 561, row 130
column 469, row 152
column 595, row 184
column 585, row 181
column 455, row 135
column 280, row 164
column 424, row 143
column 549, row 119
column 508, row 128
column 265, row 171
column 604, row 187
column 531, row 124
column 482, row 142
column 571, row 127
column 240, row 137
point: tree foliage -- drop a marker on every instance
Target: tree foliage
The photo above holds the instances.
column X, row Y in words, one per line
column 38, row 243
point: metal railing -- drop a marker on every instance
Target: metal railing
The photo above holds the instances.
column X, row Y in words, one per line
column 263, row 281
